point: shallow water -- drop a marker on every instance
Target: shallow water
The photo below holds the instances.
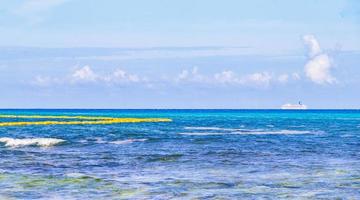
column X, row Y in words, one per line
column 201, row 154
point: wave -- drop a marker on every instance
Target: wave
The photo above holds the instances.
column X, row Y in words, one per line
column 99, row 140
column 279, row 132
column 206, row 128
column 251, row 132
column 297, row 126
column 128, row 141
column 42, row 142
column 204, row 133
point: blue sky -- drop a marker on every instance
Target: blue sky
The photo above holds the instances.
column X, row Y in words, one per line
column 179, row 54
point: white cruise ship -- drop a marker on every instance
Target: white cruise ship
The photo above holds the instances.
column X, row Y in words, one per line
column 298, row 106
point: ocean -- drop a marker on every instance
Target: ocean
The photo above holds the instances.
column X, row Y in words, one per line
column 200, row 154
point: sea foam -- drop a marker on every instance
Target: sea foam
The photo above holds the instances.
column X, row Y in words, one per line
column 204, row 133
column 276, row 132
column 42, row 142
column 128, row 141
column 206, row 128
column 251, row 132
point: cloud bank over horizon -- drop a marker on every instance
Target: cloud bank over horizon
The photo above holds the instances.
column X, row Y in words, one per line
column 86, row 75
column 317, row 69
column 216, row 81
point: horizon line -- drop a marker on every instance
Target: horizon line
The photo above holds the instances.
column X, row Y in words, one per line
column 179, row 109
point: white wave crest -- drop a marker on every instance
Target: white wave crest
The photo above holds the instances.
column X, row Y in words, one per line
column 99, row 140
column 279, row 132
column 42, row 142
column 128, row 141
column 206, row 128
column 204, row 133
column 251, row 132
column 203, row 128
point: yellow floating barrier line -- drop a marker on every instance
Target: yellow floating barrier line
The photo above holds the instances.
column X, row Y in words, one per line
column 54, row 117
column 89, row 120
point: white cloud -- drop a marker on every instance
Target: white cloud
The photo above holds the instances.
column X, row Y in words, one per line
column 227, row 77
column 183, row 75
column 318, row 67
column 192, row 75
column 283, row 78
column 120, row 75
column 312, row 44
column 46, row 81
column 259, row 79
column 42, row 81
column 84, row 74
column 296, row 76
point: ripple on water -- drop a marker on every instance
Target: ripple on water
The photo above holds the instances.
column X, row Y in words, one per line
column 29, row 186
column 225, row 131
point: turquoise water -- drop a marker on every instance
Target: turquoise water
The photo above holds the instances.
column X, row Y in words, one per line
column 202, row 154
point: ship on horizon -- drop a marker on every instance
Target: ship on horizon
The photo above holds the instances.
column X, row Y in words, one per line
column 298, row 106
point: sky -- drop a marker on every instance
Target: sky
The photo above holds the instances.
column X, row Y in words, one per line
column 254, row 54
